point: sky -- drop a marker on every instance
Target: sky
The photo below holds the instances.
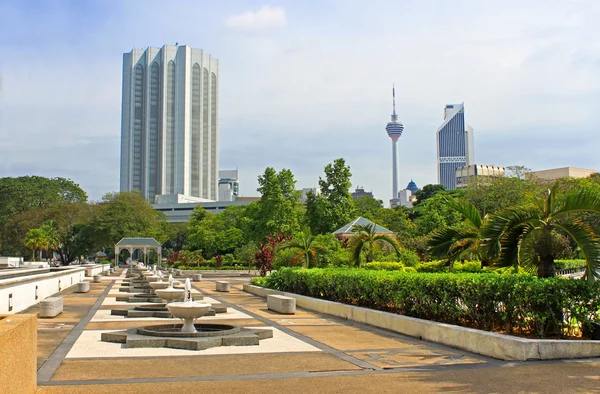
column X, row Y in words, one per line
column 303, row 83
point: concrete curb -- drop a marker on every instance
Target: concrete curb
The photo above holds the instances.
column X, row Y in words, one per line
column 503, row 347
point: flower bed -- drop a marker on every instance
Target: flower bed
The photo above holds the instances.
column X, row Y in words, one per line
column 516, row 304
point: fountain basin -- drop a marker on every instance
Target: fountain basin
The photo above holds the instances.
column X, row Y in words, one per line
column 188, row 312
column 202, row 330
column 170, row 294
column 152, row 278
column 159, row 285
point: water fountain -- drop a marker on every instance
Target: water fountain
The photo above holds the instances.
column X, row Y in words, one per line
column 189, row 335
column 188, row 310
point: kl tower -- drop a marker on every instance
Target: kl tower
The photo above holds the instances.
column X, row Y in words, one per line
column 394, row 130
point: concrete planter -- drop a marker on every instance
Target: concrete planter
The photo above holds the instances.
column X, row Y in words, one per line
column 503, row 347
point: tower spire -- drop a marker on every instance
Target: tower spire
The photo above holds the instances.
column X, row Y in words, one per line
column 394, row 116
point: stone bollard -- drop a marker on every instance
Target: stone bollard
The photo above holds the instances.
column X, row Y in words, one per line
column 222, row 286
column 196, row 277
column 83, row 287
column 112, row 270
column 97, row 278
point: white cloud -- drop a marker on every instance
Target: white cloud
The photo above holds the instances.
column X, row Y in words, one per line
column 265, row 18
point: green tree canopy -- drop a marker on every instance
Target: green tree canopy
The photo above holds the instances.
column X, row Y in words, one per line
column 31, row 192
column 126, row 214
column 278, row 210
column 334, row 207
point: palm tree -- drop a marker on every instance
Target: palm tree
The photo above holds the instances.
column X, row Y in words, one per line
column 365, row 238
column 526, row 234
column 52, row 237
column 36, row 239
column 307, row 250
column 454, row 243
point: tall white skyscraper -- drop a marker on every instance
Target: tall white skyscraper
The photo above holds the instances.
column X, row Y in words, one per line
column 394, row 130
column 169, row 122
column 454, row 145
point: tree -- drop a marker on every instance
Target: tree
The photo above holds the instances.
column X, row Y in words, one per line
column 427, row 192
column 435, row 214
column 31, row 192
column 493, row 194
column 463, row 241
column 215, row 234
column 368, row 207
column 126, row 214
column 527, row 234
column 52, row 238
column 365, row 238
column 307, row 249
column 334, row 207
column 36, row 240
column 519, row 172
column 277, row 211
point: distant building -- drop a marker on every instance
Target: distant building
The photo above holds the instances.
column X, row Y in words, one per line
column 360, row 193
column 412, row 186
column 556, row 173
column 229, row 185
column 479, row 172
column 178, row 199
column 169, row 122
column 406, row 197
column 181, row 212
column 454, row 145
column 304, row 193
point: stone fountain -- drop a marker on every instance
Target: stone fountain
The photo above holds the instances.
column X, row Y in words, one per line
column 189, row 335
column 188, row 310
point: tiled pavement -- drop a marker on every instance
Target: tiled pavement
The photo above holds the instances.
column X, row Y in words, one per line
column 309, row 352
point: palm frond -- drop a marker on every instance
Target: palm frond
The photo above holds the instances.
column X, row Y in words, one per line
column 589, row 243
column 585, row 200
column 504, row 225
column 384, row 238
column 468, row 210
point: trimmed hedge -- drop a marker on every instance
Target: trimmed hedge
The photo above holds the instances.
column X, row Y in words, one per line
column 516, row 304
column 209, row 268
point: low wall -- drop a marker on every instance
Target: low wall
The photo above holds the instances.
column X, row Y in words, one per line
column 18, row 354
column 95, row 269
column 503, row 347
column 19, row 293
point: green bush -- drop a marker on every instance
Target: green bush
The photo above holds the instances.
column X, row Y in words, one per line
column 382, row 265
column 519, row 304
column 432, row 266
column 238, row 267
column 566, row 264
column 467, row 266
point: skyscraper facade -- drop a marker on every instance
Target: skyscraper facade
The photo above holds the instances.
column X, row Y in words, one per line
column 169, row 122
column 454, row 145
column 394, row 130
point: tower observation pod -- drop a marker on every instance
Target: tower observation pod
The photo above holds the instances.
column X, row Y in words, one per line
column 394, row 130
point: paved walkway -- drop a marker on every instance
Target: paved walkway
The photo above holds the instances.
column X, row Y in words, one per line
column 309, row 353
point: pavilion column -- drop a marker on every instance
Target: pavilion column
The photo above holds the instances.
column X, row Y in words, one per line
column 116, row 257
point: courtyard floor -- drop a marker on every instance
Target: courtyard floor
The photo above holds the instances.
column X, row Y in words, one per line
column 309, row 353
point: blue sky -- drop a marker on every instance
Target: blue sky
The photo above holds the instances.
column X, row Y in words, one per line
column 303, row 83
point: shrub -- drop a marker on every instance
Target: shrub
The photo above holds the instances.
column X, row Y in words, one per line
column 386, row 266
column 566, row 264
column 467, row 266
column 432, row 266
column 521, row 304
